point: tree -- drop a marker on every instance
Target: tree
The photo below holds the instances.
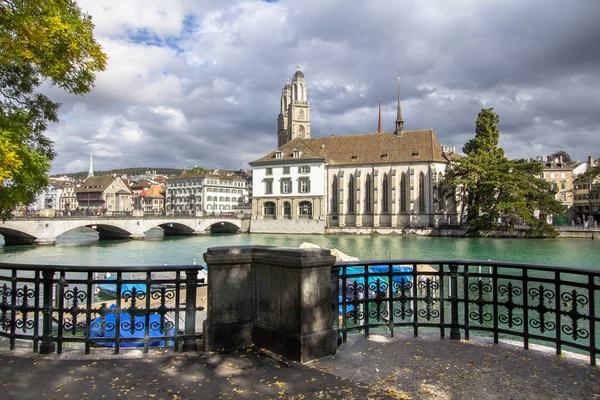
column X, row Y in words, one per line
column 566, row 158
column 48, row 41
column 497, row 193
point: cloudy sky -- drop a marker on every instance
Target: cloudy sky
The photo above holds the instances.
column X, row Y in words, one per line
column 198, row 82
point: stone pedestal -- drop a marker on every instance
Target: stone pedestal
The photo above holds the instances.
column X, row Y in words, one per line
column 278, row 299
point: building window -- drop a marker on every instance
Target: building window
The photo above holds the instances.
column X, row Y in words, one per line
column 368, row 195
column 385, row 199
column 286, row 186
column 286, row 170
column 304, row 169
column 269, row 210
column 278, row 154
column 296, row 153
column 268, row 171
column 287, row 210
column 422, row 193
column 334, row 195
column 351, row 208
column 304, row 186
column 269, row 187
column 403, row 192
column 305, row 209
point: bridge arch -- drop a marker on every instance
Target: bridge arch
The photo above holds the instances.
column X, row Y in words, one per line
column 15, row 237
column 224, row 227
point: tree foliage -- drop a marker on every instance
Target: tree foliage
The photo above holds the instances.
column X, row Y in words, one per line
column 41, row 42
column 497, row 193
column 566, row 157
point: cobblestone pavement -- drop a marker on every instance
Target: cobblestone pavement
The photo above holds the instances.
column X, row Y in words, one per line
column 378, row 368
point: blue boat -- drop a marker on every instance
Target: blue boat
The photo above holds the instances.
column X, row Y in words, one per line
column 110, row 289
column 110, row 323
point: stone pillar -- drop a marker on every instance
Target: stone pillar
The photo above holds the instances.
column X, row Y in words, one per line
column 230, row 298
column 278, row 299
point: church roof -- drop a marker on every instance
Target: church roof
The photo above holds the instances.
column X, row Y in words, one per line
column 298, row 75
column 367, row 148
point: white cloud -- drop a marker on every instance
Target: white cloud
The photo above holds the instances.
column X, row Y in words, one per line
column 198, row 83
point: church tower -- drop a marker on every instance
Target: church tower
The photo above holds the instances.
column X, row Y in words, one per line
column 294, row 117
column 399, row 120
column 282, row 120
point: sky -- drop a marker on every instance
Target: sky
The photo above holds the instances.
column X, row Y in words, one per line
column 199, row 82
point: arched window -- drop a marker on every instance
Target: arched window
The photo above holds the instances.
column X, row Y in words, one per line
column 385, row 193
column 285, row 103
column 269, row 210
column 422, row 193
column 287, row 210
column 305, row 209
column 301, row 131
column 301, row 115
column 351, row 208
column 295, row 92
column 403, row 192
column 368, row 195
column 334, row 195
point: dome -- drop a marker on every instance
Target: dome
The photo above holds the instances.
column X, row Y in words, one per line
column 298, row 75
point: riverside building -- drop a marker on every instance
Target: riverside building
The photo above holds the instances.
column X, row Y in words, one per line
column 360, row 183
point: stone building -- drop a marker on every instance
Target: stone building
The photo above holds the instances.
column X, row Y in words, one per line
column 360, row 182
column 106, row 193
column 586, row 199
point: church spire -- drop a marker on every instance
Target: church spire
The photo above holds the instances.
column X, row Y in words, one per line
column 91, row 171
column 379, row 121
column 399, row 120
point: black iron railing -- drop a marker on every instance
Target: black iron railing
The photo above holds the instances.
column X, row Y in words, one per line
column 538, row 304
column 53, row 306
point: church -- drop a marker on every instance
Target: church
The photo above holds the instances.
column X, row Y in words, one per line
column 380, row 182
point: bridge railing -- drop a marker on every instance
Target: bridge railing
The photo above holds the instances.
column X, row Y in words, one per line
column 56, row 306
column 127, row 215
column 537, row 304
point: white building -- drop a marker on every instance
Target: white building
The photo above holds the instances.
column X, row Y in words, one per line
column 212, row 193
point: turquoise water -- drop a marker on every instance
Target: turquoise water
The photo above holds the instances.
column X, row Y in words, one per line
column 83, row 248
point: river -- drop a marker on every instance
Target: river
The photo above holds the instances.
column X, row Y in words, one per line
column 84, row 248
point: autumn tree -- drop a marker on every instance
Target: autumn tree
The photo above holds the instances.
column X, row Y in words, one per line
column 41, row 42
column 497, row 193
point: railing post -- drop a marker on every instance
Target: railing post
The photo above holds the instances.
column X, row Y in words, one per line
column 47, row 346
column 189, row 335
column 454, row 328
column 335, row 302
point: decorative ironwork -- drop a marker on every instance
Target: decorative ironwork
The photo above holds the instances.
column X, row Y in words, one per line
column 404, row 288
column 72, row 324
column 25, row 323
column 510, row 319
column 542, row 294
column 5, row 294
column 379, row 289
column 102, row 327
column 482, row 289
column 163, row 325
column 429, row 286
column 572, row 300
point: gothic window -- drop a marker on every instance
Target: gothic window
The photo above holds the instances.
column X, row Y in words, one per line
column 295, row 92
column 385, row 194
column 403, row 192
column 351, row 194
column 301, row 131
column 334, row 195
column 422, row 192
column 301, row 114
column 368, row 195
column 285, row 103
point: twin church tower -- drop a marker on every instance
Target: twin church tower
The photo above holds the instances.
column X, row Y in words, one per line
column 294, row 115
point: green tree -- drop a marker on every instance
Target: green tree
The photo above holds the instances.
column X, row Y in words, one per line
column 48, row 41
column 496, row 193
column 566, row 157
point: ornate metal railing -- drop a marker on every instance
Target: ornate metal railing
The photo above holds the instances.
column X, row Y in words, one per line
column 538, row 304
column 55, row 305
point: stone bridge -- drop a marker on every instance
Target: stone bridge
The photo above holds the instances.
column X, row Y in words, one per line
column 41, row 230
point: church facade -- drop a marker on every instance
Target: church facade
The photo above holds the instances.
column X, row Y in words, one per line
column 362, row 183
